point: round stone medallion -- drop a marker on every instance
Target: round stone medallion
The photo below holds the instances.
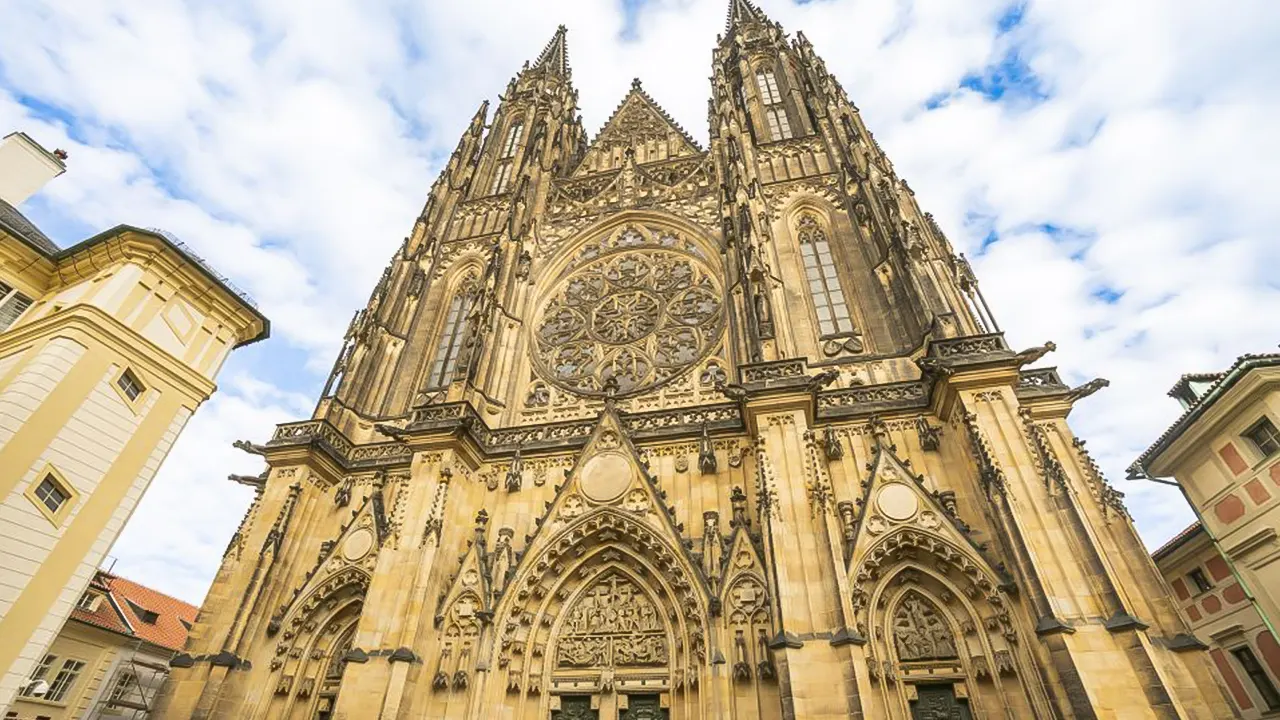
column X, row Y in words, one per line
column 605, row 477
column 358, row 544
column 897, row 502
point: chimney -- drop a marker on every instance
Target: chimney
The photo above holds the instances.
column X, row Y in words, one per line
column 25, row 167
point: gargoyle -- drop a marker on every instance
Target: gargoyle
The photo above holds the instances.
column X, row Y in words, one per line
column 391, row 431
column 254, row 481
column 251, row 448
column 933, row 367
column 732, row 391
column 1030, row 355
column 823, row 379
column 1087, row 389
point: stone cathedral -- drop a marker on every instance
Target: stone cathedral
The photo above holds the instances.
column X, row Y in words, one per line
column 633, row 428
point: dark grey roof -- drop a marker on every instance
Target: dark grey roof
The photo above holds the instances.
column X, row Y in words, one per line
column 17, row 224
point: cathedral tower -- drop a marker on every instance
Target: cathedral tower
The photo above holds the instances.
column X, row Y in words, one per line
column 633, row 428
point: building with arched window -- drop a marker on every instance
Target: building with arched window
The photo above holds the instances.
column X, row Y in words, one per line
column 652, row 429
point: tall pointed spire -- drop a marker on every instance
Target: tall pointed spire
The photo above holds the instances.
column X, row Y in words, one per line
column 555, row 56
column 743, row 11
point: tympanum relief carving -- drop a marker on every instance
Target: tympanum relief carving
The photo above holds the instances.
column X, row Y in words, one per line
column 613, row 625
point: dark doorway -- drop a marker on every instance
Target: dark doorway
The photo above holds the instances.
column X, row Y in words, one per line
column 939, row 702
column 575, row 707
column 643, row 707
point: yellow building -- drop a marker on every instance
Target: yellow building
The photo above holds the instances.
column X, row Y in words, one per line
column 106, row 348
column 632, row 428
column 111, row 657
column 1224, row 453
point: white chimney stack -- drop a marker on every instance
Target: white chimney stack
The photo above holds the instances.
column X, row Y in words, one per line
column 25, row 167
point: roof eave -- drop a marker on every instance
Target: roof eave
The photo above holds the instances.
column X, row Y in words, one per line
column 1141, row 467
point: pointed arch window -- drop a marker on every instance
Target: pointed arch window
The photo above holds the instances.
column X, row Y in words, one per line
column 452, row 336
column 775, row 112
column 514, row 133
column 824, row 283
column 506, row 158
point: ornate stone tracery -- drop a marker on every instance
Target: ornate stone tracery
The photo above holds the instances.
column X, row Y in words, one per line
column 637, row 314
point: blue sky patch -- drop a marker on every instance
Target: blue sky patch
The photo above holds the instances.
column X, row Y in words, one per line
column 1011, row 78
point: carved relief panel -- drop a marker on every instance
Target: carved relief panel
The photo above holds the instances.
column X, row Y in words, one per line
column 613, row 624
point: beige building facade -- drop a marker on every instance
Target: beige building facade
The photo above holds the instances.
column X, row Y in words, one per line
column 111, row 658
column 106, row 348
column 1224, row 454
column 1241, row 645
column 633, row 428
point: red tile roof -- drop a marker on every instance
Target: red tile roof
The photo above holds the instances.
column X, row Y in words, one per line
column 129, row 603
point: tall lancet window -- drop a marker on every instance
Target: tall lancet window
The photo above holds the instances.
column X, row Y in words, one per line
column 824, row 284
column 506, row 160
column 451, row 337
column 775, row 113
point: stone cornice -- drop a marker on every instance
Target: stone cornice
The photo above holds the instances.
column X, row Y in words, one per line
column 125, row 242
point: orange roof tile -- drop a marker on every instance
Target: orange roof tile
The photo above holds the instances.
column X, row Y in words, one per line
column 167, row 629
column 131, row 606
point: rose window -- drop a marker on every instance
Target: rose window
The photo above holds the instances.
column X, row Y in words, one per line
column 638, row 315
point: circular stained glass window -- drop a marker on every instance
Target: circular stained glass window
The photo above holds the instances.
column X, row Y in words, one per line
column 639, row 315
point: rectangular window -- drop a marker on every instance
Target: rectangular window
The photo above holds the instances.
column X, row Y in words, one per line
column 1266, row 689
column 130, row 385
column 1264, row 436
column 779, row 127
column 51, row 493
column 38, row 674
column 123, row 685
column 446, row 359
column 12, row 305
column 1199, row 580
column 87, row 601
column 65, row 680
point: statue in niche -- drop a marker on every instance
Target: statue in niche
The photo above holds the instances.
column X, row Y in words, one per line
column 920, row 632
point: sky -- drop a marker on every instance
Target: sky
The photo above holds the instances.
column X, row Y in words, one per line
column 1107, row 166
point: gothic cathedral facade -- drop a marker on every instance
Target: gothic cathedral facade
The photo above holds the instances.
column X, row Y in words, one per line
column 633, row 428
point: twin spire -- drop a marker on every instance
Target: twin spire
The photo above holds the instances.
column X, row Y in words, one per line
column 555, row 56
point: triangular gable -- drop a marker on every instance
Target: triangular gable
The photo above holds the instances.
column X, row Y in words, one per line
column 609, row 473
column 639, row 127
column 350, row 557
column 896, row 498
column 744, row 594
column 469, row 593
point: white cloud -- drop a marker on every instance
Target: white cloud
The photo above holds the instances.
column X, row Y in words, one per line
column 293, row 143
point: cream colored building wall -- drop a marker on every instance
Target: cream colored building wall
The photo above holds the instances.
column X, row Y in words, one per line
column 1236, row 488
column 41, row 546
column 150, row 305
column 83, row 451
column 1222, row 617
column 34, row 381
column 99, row 650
